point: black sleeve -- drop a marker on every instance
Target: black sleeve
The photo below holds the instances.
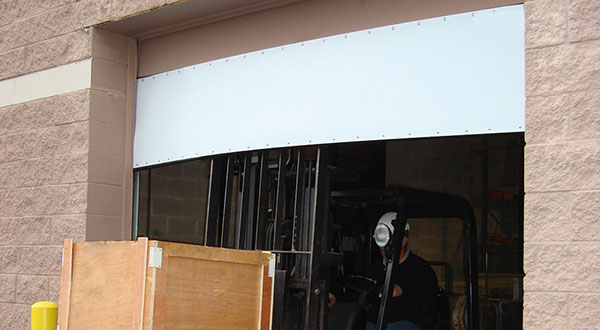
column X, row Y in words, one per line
column 419, row 291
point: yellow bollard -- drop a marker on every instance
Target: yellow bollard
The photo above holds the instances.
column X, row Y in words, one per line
column 43, row 315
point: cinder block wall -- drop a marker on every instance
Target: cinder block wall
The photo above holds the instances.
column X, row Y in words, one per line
column 63, row 157
column 562, row 165
column 178, row 206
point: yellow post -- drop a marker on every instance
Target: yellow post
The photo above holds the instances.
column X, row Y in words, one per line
column 43, row 315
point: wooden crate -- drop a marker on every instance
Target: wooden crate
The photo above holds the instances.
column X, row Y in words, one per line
column 118, row 285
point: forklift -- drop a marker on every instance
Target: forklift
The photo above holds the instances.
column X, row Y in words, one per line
column 409, row 204
column 291, row 211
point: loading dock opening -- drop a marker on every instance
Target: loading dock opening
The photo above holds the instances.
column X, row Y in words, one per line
column 280, row 200
column 356, row 110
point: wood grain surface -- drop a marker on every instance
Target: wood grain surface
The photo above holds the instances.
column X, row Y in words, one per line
column 110, row 285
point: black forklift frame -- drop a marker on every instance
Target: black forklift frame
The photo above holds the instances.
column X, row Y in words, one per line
column 416, row 204
column 302, row 255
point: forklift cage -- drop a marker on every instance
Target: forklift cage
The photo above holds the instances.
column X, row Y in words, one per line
column 419, row 204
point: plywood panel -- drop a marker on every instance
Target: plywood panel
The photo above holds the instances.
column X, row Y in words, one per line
column 216, row 254
column 103, row 285
column 212, row 294
column 65, row 284
column 149, row 293
column 267, row 300
column 160, row 296
column 139, row 283
column 110, row 285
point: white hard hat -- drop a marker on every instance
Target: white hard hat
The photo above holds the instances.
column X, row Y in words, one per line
column 384, row 229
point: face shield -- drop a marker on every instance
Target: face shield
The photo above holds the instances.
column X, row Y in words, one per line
column 384, row 230
column 382, row 235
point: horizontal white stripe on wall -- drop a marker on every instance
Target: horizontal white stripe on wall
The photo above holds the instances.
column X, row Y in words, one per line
column 60, row 80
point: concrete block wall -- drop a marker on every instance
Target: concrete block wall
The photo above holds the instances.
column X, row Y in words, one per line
column 178, row 206
column 107, row 160
column 562, row 165
column 62, row 156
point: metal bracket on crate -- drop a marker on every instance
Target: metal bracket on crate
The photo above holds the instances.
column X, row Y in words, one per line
column 155, row 258
column 271, row 267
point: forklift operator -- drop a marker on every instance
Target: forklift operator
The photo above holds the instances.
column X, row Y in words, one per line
column 413, row 302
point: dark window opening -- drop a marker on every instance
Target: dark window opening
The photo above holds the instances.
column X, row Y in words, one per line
column 283, row 200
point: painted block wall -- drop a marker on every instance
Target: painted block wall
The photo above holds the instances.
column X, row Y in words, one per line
column 62, row 157
column 178, row 207
column 562, row 165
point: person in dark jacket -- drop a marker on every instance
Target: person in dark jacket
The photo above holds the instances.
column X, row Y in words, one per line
column 412, row 305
